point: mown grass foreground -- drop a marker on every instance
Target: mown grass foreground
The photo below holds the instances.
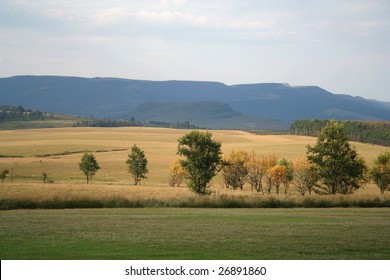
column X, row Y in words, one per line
column 177, row 233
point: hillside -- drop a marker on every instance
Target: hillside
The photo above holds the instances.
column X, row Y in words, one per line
column 206, row 104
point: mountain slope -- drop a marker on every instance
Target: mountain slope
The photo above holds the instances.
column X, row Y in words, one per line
column 210, row 104
column 209, row 114
column 310, row 102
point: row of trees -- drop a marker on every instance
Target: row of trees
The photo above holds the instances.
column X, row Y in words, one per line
column 264, row 173
column 107, row 122
column 136, row 162
column 332, row 166
column 374, row 132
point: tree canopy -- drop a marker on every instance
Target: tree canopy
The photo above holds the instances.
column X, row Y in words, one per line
column 88, row 165
column 380, row 172
column 202, row 159
column 340, row 168
column 137, row 164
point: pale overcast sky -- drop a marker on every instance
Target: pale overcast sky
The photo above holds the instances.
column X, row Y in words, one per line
column 340, row 45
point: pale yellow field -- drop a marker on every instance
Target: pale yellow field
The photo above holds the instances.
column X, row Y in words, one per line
column 28, row 153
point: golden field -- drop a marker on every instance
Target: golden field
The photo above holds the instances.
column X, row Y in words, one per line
column 57, row 151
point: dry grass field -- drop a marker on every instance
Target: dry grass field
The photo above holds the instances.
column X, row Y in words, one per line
column 57, row 151
column 162, row 233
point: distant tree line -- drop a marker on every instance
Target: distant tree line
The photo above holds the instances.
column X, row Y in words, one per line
column 107, row 122
column 18, row 113
column 373, row 132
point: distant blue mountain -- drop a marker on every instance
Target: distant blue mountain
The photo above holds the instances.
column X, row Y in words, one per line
column 207, row 104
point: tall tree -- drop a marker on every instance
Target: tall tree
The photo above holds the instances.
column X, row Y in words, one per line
column 235, row 170
column 256, row 171
column 289, row 173
column 202, row 159
column 269, row 161
column 278, row 176
column 305, row 176
column 88, row 165
column 340, row 167
column 380, row 172
column 137, row 164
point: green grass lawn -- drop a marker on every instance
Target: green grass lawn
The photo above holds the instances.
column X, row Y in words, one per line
column 176, row 233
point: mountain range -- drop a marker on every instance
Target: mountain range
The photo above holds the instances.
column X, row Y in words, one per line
column 205, row 104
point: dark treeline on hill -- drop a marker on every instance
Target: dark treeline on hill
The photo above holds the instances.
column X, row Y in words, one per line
column 18, row 113
column 107, row 122
column 374, row 132
column 9, row 113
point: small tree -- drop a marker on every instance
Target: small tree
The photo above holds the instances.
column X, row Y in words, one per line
column 88, row 165
column 289, row 173
column 380, row 172
column 340, row 167
column 305, row 176
column 176, row 173
column 269, row 161
column 44, row 177
column 235, row 170
column 256, row 171
column 278, row 175
column 137, row 164
column 203, row 159
column 3, row 175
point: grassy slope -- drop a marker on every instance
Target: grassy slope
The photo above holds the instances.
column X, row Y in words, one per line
column 160, row 147
column 173, row 233
column 166, row 233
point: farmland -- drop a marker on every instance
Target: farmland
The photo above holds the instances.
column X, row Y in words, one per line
column 152, row 233
column 57, row 151
column 176, row 233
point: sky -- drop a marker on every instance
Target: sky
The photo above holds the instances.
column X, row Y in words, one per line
column 342, row 46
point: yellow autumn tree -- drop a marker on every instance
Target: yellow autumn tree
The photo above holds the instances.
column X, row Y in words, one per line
column 269, row 161
column 278, row 175
column 235, row 171
column 256, row 170
column 305, row 176
column 176, row 173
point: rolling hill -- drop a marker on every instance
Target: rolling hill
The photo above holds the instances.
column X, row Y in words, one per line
column 206, row 104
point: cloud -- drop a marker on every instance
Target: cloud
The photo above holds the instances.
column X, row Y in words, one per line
column 290, row 41
column 166, row 4
column 109, row 15
column 365, row 28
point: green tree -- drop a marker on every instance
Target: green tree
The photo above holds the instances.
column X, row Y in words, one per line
column 3, row 175
column 203, row 159
column 380, row 172
column 137, row 164
column 88, row 165
column 339, row 166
